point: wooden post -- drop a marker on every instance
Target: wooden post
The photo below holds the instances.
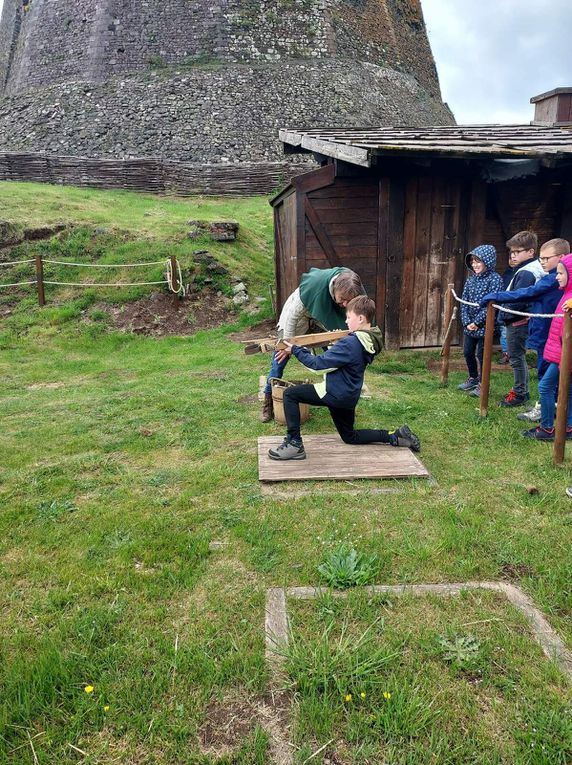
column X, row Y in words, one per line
column 563, row 386
column 40, row 280
column 450, row 313
column 487, row 355
column 174, row 275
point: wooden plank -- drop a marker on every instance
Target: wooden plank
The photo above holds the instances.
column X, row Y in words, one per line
column 320, row 233
column 422, row 245
column 343, row 215
column 408, row 288
column 396, row 210
column 329, row 458
column 381, row 260
column 435, row 261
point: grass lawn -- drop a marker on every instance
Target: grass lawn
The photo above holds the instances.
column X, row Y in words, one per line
column 128, row 637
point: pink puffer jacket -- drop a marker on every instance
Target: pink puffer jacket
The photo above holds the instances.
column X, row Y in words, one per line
column 553, row 348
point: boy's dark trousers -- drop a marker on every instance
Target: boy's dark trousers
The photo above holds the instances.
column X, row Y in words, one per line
column 343, row 418
column 473, row 348
column 516, row 337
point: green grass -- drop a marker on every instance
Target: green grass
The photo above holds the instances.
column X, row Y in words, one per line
column 123, row 457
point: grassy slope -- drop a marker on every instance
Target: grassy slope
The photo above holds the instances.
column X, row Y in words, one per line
column 122, row 457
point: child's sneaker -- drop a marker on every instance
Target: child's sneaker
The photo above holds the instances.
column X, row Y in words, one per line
column 540, row 434
column 513, row 399
column 476, row 391
column 288, row 450
column 569, row 491
column 533, row 415
column 504, row 358
column 403, row 436
column 469, row 384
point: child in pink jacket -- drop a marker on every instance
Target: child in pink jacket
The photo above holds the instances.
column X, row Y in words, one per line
column 552, row 353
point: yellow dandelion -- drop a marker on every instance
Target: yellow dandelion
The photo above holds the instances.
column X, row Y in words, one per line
column 386, row 695
column 362, row 695
column 106, row 708
column 348, row 697
column 88, row 689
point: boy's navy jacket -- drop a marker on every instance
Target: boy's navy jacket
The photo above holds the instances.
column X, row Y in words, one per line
column 478, row 285
column 526, row 275
column 343, row 366
column 543, row 297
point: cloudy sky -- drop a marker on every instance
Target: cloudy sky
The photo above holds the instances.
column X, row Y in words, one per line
column 493, row 55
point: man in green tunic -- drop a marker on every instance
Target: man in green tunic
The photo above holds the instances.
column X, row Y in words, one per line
column 321, row 299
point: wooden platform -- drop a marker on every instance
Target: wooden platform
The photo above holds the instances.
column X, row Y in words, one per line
column 329, row 458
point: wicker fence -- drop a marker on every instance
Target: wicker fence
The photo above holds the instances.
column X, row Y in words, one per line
column 155, row 175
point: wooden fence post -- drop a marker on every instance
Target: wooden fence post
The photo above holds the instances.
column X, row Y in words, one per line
column 487, row 355
column 563, row 386
column 450, row 314
column 174, row 275
column 40, row 280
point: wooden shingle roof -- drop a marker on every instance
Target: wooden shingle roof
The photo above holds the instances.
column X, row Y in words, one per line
column 361, row 146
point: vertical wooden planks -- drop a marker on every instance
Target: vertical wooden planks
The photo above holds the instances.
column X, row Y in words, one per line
column 394, row 268
column 382, row 229
column 408, row 273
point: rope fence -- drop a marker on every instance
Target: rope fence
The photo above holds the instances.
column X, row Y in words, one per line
column 173, row 273
column 565, row 361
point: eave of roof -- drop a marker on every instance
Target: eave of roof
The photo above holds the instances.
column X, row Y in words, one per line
column 360, row 146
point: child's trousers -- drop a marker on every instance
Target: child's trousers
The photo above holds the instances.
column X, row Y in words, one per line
column 473, row 351
column 343, row 418
column 516, row 338
column 547, row 388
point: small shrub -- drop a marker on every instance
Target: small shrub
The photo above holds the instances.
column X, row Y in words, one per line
column 344, row 567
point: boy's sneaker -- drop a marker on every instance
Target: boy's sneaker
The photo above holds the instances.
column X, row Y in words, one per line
column 476, row 391
column 288, row 450
column 540, row 434
column 533, row 415
column 403, row 436
column 469, row 384
column 569, row 491
column 513, row 399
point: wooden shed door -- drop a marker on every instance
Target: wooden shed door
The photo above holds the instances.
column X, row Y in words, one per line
column 434, row 245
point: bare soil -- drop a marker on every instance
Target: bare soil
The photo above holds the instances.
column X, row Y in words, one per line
column 226, row 725
column 163, row 314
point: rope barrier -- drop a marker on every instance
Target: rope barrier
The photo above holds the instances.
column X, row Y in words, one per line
column 16, row 262
column 181, row 288
column 510, row 310
column 17, row 284
column 120, row 284
column 102, row 265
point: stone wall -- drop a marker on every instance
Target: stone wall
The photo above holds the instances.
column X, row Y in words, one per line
column 91, row 40
column 207, row 80
column 229, row 114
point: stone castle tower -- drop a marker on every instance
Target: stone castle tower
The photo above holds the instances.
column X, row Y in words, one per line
column 207, row 80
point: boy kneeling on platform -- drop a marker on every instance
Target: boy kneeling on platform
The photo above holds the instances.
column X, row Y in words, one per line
column 343, row 366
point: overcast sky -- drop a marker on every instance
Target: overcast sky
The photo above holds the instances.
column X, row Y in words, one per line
column 493, row 55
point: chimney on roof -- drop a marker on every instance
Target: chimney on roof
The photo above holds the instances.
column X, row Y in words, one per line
column 553, row 108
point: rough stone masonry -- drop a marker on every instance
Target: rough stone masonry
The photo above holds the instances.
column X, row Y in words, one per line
column 207, row 81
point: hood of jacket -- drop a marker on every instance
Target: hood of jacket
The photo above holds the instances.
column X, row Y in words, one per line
column 484, row 252
column 371, row 339
column 567, row 263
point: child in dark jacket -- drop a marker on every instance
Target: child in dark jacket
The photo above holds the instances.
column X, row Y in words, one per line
column 481, row 261
column 344, row 365
column 543, row 297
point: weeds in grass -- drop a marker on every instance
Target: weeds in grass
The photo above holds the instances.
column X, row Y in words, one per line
column 460, row 650
column 344, row 567
column 51, row 511
column 333, row 667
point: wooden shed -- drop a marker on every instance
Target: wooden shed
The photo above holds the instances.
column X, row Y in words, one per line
column 403, row 206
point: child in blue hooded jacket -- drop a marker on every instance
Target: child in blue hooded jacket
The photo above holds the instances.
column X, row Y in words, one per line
column 481, row 261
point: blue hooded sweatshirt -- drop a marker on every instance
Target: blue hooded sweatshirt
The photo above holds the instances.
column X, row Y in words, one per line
column 542, row 297
column 478, row 285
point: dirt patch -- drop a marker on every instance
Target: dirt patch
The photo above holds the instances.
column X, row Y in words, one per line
column 515, row 571
column 459, row 365
column 227, row 724
column 164, row 314
column 266, row 328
